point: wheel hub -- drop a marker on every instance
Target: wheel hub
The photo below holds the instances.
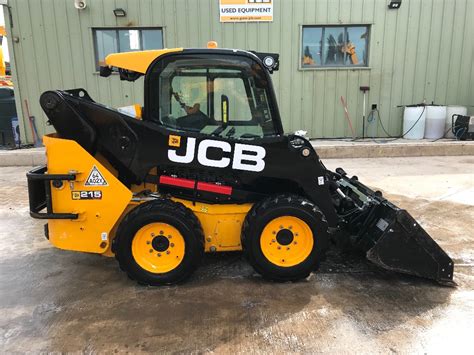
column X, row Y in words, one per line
column 284, row 237
column 158, row 247
column 286, row 241
column 160, row 243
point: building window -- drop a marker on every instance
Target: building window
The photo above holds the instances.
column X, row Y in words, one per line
column 116, row 40
column 335, row 46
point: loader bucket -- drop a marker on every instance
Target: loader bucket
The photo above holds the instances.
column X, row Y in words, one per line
column 392, row 238
column 405, row 247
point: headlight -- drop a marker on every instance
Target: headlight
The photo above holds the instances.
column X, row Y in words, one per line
column 305, row 152
column 269, row 61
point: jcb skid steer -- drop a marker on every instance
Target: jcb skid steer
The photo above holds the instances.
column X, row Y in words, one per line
column 205, row 167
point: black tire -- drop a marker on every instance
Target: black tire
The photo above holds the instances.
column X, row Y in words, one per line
column 266, row 211
column 160, row 211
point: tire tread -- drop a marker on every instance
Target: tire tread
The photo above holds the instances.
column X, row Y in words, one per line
column 162, row 204
column 269, row 203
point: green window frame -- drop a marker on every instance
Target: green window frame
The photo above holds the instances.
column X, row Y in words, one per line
column 334, row 46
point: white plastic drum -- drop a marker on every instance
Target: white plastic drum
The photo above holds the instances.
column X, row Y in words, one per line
column 435, row 122
column 450, row 111
column 412, row 128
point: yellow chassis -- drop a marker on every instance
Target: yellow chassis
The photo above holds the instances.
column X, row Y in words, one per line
column 95, row 228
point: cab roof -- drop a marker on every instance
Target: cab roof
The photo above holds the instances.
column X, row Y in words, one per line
column 138, row 61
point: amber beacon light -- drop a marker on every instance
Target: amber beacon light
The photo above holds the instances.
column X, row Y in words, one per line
column 212, row 44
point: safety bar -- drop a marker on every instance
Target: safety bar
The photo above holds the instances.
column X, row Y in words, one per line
column 39, row 193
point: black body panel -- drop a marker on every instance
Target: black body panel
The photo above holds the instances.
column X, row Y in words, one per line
column 134, row 147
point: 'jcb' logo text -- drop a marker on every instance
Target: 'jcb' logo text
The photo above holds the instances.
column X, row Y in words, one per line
column 244, row 157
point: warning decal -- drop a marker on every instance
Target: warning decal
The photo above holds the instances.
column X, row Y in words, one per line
column 95, row 178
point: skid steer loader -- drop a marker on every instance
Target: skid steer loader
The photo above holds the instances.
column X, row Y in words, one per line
column 205, row 166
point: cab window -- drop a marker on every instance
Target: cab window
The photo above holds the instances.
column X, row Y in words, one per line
column 216, row 95
column 233, row 90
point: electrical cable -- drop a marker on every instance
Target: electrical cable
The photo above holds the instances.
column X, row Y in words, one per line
column 414, row 124
column 404, row 134
column 437, row 139
column 458, row 136
column 371, row 118
column 383, row 127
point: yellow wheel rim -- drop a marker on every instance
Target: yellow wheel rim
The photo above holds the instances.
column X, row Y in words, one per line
column 158, row 247
column 286, row 241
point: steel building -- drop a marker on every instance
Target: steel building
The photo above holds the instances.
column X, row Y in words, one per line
column 421, row 50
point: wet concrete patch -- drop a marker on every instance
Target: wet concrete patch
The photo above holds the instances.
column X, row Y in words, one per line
column 93, row 306
column 54, row 300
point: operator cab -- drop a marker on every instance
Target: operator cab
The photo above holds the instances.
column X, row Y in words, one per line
column 218, row 92
column 213, row 94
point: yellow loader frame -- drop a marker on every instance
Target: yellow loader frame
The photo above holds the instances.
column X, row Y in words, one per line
column 101, row 206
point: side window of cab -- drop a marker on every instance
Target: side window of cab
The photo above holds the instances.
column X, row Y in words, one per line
column 215, row 95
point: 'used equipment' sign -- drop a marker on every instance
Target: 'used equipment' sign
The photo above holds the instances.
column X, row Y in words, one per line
column 246, row 10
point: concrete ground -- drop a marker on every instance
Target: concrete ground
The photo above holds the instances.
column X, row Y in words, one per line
column 53, row 300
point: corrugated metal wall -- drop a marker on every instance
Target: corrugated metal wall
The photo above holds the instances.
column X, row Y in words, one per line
column 424, row 50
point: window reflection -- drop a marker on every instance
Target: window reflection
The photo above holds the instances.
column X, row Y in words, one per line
column 335, row 46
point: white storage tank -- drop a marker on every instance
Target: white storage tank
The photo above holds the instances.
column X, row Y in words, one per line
column 435, row 121
column 414, row 118
column 450, row 111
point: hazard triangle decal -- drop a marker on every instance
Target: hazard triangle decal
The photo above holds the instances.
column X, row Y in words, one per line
column 95, row 178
